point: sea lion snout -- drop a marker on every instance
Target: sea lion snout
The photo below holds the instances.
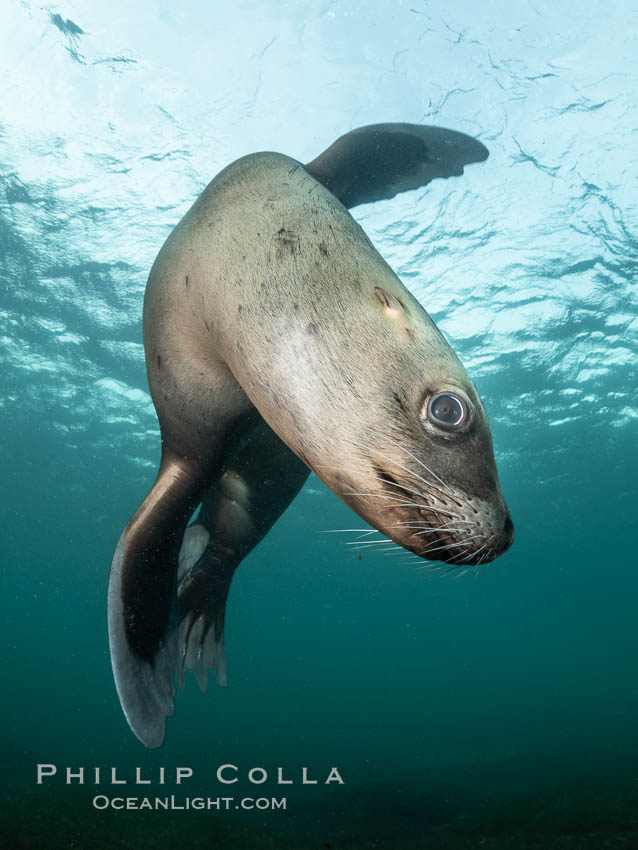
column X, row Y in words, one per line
column 497, row 537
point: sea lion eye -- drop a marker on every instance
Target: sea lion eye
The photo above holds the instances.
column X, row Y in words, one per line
column 447, row 410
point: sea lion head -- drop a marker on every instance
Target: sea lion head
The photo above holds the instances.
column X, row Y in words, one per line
column 420, row 466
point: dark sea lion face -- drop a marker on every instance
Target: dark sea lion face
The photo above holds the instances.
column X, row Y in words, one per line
column 436, row 479
column 422, row 467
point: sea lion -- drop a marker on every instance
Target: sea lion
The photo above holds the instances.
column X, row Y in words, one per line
column 278, row 340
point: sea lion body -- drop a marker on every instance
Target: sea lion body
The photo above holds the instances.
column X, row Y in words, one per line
column 277, row 339
column 270, row 275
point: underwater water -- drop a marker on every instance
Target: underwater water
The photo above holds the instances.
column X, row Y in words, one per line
column 495, row 707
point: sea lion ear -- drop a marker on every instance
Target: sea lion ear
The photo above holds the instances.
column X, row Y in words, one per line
column 391, row 305
column 379, row 161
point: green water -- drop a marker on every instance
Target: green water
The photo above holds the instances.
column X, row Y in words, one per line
column 455, row 708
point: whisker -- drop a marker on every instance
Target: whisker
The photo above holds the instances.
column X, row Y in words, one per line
column 414, row 474
column 397, row 501
column 427, row 468
column 474, row 554
column 441, row 548
column 408, row 489
column 402, row 503
column 360, row 474
column 400, row 465
column 466, row 540
column 369, row 542
column 408, row 523
column 434, row 567
column 374, row 495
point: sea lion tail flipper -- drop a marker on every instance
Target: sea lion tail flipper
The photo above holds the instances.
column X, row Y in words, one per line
column 142, row 600
column 381, row 160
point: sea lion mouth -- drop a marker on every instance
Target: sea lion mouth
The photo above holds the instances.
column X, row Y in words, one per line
column 440, row 524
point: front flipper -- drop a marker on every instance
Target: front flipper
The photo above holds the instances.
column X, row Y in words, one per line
column 380, row 161
column 259, row 480
column 142, row 612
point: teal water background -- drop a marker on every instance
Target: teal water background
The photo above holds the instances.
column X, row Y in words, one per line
column 438, row 695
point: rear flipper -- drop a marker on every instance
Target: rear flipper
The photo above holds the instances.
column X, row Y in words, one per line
column 169, row 584
column 204, row 578
column 260, row 479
